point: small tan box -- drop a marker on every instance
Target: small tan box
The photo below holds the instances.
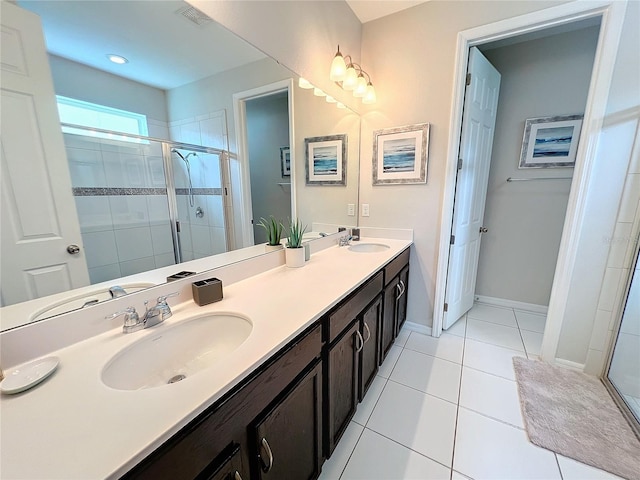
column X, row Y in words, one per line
column 207, row 291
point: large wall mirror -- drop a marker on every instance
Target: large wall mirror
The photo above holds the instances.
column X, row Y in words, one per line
column 178, row 159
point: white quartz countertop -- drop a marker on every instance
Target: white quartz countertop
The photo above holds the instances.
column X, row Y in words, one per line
column 72, row 426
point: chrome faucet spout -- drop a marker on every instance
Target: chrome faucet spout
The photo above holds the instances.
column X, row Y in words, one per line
column 117, row 291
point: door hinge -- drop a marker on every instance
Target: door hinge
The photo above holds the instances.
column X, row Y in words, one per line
column 446, row 307
column 459, row 164
column 452, row 240
column 468, row 78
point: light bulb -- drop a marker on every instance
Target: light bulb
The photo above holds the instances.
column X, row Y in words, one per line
column 370, row 95
column 330, row 99
column 318, row 93
column 338, row 67
column 361, row 87
column 351, row 79
column 304, row 83
column 340, row 105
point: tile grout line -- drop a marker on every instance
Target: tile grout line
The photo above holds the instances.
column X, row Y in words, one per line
column 455, row 427
column 351, row 454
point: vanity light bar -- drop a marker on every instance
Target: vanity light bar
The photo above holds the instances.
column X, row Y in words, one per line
column 305, row 84
column 351, row 77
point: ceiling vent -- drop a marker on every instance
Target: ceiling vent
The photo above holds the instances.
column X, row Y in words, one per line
column 194, row 15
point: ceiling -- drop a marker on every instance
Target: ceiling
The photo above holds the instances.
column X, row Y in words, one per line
column 367, row 10
column 164, row 48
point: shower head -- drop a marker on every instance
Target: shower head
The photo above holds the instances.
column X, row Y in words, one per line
column 175, row 150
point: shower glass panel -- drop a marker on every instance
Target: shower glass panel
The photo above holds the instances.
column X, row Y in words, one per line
column 624, row 368
column 145, row 203
column 200, row 201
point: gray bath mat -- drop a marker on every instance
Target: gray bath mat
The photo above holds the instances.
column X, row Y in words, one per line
column 572, row 413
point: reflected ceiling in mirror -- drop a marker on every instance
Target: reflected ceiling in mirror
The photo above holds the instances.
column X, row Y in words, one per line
column 182, row 71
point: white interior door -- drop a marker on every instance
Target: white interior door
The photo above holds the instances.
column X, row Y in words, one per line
column 478, row 125
column 39, row 219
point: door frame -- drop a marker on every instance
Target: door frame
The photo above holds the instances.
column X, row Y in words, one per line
column 612, row 13
column 240, row 118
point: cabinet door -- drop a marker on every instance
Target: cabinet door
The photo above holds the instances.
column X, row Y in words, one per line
column 402, row 299
column 369, row 329
column 390, row 305
column 231, row 468
column 342, row 384
column 288, row 436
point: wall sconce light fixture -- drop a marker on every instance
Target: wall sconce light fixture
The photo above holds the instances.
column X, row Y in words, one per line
column 351, row 77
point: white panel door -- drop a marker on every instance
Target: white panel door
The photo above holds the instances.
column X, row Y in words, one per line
column 38, row 213
column 478, row 126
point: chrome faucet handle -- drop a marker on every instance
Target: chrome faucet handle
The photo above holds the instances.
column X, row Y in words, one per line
column 344, row 241
column 163, row 307
column 132, row 320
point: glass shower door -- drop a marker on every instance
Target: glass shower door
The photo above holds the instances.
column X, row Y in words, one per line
column 197, row 178
column 623, row 375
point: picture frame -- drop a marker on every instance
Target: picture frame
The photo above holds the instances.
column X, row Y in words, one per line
column 400, row 155
column 285, row 161
column 550, row 142
column 326, row 160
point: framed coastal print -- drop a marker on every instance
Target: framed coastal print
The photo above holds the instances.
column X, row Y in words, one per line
column 400, row 155
column 285, row 161
column 550, row 141
column 326, row 160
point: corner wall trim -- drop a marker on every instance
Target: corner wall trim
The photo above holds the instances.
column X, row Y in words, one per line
column 416, row 327
column 501, row 302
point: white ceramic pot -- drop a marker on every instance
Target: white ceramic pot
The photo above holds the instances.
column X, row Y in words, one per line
column 294, row 257
column 272, row 248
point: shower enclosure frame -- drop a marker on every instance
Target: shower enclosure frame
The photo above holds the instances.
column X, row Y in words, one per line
column 167, row 146
column 632, row 419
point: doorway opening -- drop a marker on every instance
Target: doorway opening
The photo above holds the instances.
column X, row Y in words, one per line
column 507, row 249
column 264, row 128
column 611, row 16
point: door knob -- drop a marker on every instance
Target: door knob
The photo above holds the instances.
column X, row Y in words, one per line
column 73, row 249
column 484, row 229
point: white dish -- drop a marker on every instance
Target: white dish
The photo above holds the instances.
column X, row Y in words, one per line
column 28, row 375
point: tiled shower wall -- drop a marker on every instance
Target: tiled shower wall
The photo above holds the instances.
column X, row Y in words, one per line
column 120, row 194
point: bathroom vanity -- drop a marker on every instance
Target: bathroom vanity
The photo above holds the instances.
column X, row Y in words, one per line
column 273, row 407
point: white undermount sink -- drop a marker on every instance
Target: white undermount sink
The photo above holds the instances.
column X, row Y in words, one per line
column 173, row 353
column 368, row 247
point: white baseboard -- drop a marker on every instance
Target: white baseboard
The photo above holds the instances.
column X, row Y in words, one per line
column 501, row 302
column 569, row 364
column 416, row 327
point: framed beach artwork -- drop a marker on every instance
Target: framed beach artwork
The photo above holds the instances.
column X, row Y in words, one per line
column 550, row 141
column 326, row 160
column 400, row 155
column 285, row 161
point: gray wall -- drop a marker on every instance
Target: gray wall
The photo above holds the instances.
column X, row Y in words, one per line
column 75, row 80
column 267, row 131
column 543, row 77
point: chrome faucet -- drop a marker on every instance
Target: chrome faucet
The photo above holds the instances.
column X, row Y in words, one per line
column 344, row 241
column 159, row 312
column 152, row 316
column 117, row 291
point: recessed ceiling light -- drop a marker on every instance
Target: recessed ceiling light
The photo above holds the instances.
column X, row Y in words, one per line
column 120, row 60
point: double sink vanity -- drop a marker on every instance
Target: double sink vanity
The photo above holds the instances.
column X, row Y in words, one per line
column 261, row 384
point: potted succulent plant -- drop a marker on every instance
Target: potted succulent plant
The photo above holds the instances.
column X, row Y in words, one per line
column 295, row 251
column 274, row 233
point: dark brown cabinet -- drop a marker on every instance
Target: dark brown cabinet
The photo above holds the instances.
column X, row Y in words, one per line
column 287, row 437
column 369, row 330
column 342, row 383
column 231, row 468
column 288, row 415
column 396, row 278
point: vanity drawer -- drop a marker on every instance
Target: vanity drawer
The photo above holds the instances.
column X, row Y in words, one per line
column 394, row 266
column 352, row 306
column 194, row 448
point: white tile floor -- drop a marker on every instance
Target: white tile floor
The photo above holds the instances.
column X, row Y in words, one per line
column 448, row 408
